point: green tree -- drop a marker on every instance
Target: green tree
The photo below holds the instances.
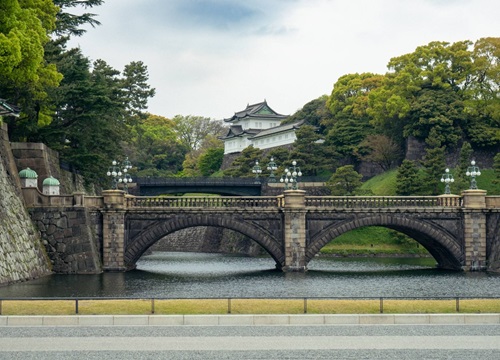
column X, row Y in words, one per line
column 192, row 130
column 156, row 150
column 313, row 155
column 433, row 162
column 24, row 75
column 424, row 90
column 89, row 127
column 461, row 181
column 69, row 24
column 136, row 90
column 348, row 103
column 315, row 113
column 345, row 181
column 191, row 164
column 482, row 95
column 242, row 166
column 440, row 109
column 496, row 168
column 211, row 161
column 380, row 150
column 408, row 181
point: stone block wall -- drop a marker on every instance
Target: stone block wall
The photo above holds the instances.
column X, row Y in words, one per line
column 22, row 257
column 208, row 240
column 69, row 239
column 45, row 162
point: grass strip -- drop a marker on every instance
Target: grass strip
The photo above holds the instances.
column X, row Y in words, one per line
column 247, row 306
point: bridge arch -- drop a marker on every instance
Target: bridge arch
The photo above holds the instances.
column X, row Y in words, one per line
column 437, row 241
column 136, row 247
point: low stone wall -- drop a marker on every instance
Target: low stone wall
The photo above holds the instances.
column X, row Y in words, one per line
column 69, row 239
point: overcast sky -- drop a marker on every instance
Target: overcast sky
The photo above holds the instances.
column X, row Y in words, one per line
column 213, row 57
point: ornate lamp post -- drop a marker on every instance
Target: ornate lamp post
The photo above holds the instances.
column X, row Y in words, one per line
column 271, row 167
column 291, row 176
column 126, row 179
column 447, row 178
column 120, row 175
column 257, row 171
column 115, row 173
column 473, row 171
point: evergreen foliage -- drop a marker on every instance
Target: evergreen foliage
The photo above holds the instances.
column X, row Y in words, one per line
column 345, row 181
column 242, row 166
column 408, row 180
column 211, row 161
column 445, row 95
column 433, row 162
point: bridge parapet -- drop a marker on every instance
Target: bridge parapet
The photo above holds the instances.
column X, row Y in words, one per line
column 383, row 201
column 203, row 202
column 492, row 202
column 34, row 198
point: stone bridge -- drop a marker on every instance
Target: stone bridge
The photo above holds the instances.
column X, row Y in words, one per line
column 155, row 186
column 461, row 232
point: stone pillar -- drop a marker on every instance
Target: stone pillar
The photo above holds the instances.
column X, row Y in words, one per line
column 294, row 230
column 474, row 230
column 79, row 199
column 474, row 199
column 113, row 231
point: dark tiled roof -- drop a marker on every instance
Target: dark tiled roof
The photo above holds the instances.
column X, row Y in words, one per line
column 237, row 130
column 278, row 129
column 259, row 110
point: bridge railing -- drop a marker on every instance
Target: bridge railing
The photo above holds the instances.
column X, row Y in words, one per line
column 382, row 201
column 203, row 202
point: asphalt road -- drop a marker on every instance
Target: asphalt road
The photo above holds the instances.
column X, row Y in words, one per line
column 252, row 342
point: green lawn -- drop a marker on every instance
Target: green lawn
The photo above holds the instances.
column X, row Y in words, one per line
column 373, row 240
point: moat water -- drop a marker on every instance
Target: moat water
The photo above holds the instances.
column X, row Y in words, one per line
column 194, row 275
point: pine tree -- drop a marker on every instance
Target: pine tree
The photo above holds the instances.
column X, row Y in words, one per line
column 345, row 181
column 408, row 181
column 461, row 181
column 433, row 162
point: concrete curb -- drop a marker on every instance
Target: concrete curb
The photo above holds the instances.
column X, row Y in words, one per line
column 250, row 320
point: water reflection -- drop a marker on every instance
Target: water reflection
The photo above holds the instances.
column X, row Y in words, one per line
column 213, row 275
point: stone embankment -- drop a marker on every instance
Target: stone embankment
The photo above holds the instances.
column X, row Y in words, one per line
column 208, row 240
column 22, row 256
column 69, row 239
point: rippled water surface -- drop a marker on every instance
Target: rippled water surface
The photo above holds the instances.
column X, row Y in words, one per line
column 213, row 275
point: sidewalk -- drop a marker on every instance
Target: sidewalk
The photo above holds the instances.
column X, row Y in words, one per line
column 250, row 320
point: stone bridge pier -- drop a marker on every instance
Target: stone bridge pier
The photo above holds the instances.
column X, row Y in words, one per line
column 475, row 230
column 294, row 230
column 113, row 231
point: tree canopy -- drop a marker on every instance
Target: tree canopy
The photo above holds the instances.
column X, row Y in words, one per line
column 25, row 76
column 444, row 95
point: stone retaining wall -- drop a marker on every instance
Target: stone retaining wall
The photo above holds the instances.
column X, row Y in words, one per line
column 22, row 256
column 69, row 239
column 208, row 240
column 45, row 162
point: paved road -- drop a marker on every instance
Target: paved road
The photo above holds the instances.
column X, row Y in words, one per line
column 252, row 342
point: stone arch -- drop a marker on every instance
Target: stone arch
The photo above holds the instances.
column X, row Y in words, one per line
column 142, row 241
column 440, row 243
